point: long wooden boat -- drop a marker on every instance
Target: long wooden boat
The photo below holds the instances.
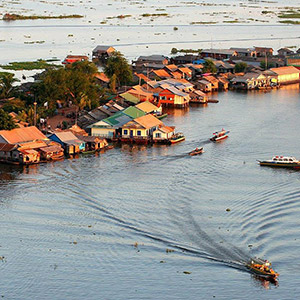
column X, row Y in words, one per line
column 281, row 162
column 219, row 135
column 177, row 137
column 262, row 268
column 160, row 117
column 197, row 151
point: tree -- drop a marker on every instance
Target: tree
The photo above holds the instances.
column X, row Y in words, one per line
column 240, row 67
column 174, row 51
column 209, row 66
column 6, row 84
column 265, row 66
column 117, row 65
column 6, row 121
column 14, row 105
column 69, row 84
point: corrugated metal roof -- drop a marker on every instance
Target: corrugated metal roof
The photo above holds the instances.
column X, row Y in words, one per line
column 67, row 137
column 7, row 147
column 285, row 70
column 148, row 121
column 118, row 120
column 147, row 106
column 129, row 97
column 19, row 135
column 133, row 112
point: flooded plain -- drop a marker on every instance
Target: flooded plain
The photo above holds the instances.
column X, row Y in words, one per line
column 143, row 27
column 141, row 222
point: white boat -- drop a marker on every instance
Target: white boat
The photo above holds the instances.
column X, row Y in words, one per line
column 281, row 162
column 220, row 135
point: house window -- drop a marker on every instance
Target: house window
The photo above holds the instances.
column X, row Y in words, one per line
column 139, row 133
column 162, row 97
column 125, row 131
column 157, row 135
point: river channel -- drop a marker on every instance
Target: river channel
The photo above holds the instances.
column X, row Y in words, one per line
column 140, row 222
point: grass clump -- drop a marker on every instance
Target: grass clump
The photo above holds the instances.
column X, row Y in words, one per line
column 290, row 16
column 29, row 65
column 14, row 17
column 290, row 22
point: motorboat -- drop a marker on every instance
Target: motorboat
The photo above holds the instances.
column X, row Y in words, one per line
column 261, row 268
column 196, row 151
column 177, row 137
column 219, row 135
column 281, row 162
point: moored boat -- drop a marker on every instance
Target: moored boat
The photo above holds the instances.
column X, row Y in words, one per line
column 262, row 268
column 219, row 135
column 177, row 137
column 281, row 162
column 196, row 151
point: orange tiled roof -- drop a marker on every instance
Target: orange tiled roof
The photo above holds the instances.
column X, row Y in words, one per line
column 176, row 75
column 167, row 129
column 19, row 135
column 161, row 73
column 142, row 76
column 285, row 70
column 185, row 70
column 148, row 121
column 171, row 67
column 146, row 106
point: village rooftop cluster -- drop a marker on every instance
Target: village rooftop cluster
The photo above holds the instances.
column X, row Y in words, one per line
column 134, row 113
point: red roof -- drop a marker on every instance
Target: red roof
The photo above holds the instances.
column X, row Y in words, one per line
column 20, row 135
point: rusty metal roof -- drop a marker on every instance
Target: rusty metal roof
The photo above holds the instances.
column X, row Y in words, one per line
column 19, row 135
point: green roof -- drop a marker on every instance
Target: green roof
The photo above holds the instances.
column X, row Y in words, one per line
column 129, row 97
column 133, row 112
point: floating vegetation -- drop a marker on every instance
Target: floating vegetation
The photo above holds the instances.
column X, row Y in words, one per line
column 35, row 42
column 29, row 65
column 290, row 16
column 155, row 15
column 13, row 17
column 290, row 22
column 203, row 22
column 175, row 51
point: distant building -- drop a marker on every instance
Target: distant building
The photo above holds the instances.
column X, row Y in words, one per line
column 101, row 53
column 245, row 52
column 70, row 59
column 293, row 60
column 263, row 51
column 287, row 75
column 69, row 142
column 285, row 52
column 218, row 53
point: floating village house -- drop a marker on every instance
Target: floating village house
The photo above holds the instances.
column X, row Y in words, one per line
column 70, row 59
column 102, row 53
column 287, row 75
column 163, row 134
column 27, row 145
column 71, row 144
column 140, row 130
column 171, row 96
column 218, row 53
column 249, row 81
column 110, row 128
column 149, row 108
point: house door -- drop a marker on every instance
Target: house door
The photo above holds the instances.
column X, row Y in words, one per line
column 131, row 133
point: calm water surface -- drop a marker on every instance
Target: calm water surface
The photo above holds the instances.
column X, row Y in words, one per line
column 98, row 227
